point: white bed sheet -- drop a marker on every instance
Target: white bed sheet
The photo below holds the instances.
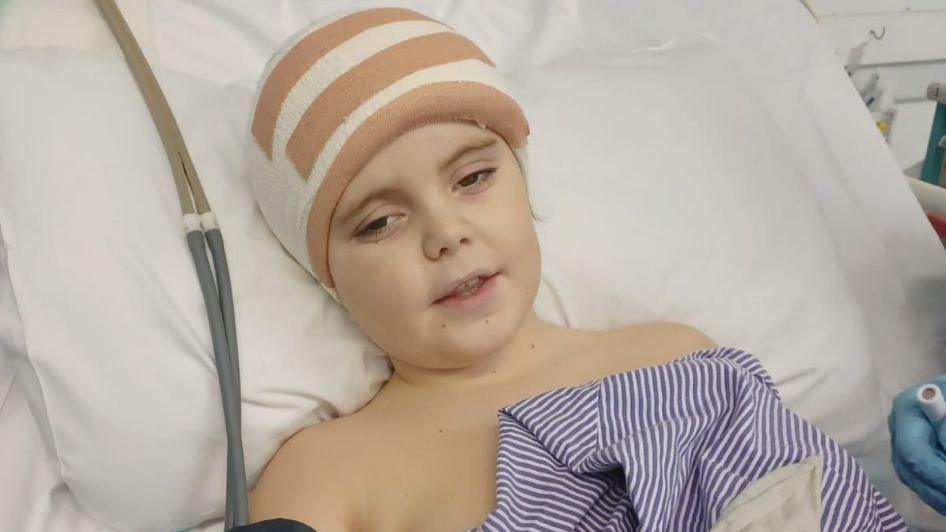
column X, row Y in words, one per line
column 873, row 217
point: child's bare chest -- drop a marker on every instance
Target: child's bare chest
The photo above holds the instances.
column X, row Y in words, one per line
column 437, row 470
column 438, row 480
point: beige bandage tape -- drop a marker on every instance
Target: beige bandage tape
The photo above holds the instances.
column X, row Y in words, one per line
column 338, row 91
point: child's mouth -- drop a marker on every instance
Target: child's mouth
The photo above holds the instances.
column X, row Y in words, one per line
column 470, row 296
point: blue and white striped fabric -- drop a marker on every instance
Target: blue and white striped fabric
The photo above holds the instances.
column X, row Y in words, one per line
column 665, row 448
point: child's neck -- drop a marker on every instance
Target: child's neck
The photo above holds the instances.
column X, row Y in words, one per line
column 523, row 355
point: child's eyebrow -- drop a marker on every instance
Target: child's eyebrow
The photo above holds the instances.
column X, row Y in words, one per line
column 478, row 144
column 383, row 192
column 389, row 191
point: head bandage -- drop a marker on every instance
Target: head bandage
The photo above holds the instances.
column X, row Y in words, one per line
column 338, row 91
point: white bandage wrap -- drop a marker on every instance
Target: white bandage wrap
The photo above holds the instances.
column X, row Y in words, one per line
column 191, row 222
column 208, row 221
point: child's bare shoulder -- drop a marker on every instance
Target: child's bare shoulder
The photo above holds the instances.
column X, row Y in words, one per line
column 649, row 344
column 672, row 336
column 307, row 481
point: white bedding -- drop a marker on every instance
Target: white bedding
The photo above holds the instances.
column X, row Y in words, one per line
column 874, row 259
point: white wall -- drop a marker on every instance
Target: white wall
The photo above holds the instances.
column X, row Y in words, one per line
column 912, row 51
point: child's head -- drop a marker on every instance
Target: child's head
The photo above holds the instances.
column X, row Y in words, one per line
column 383, row 99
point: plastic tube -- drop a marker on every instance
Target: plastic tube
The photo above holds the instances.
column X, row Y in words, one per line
column 931, row 401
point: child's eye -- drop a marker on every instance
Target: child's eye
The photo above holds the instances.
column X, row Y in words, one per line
column 374, row 227
column 378, row 226
column 488, row 174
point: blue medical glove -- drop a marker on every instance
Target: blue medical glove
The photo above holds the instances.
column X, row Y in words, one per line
column 919, row 449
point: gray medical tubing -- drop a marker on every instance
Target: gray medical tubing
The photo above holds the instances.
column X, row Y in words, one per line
column 219, row 305
column 236, row 483
column 236, row 510
column 215, row 241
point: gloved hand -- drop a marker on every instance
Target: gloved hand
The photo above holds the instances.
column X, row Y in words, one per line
column 919, row 449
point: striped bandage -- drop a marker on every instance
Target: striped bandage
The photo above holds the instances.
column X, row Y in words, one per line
column 338, row 91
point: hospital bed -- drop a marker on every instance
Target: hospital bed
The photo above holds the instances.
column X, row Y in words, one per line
column 732, row 179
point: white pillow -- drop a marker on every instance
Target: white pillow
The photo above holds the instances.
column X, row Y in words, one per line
column 690, row 206
column 229, row 41
column 75, row 25
column 691, row 209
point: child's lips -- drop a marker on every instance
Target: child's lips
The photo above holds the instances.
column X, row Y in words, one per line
column 473, row 300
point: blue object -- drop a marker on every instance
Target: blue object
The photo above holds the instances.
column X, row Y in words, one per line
column 918, row 447
column 933, row 162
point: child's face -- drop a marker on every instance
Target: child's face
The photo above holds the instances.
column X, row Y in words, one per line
column 439, row 225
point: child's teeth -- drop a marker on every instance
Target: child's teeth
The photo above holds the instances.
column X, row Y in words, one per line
column 470, row 286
